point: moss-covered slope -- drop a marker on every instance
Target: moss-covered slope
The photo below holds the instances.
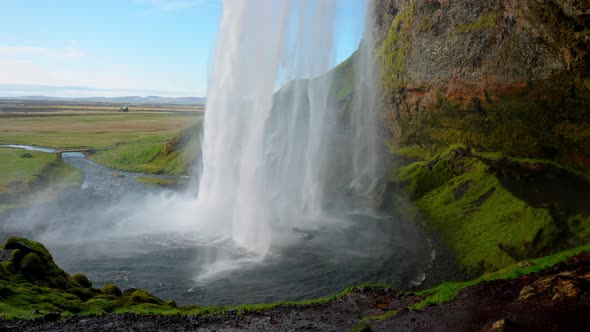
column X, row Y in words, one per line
column 494, row 211
column 32, row 285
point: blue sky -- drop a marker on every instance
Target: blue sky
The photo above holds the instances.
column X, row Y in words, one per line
column 72, row 48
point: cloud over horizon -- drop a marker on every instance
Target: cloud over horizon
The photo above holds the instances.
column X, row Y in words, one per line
column 56, row 53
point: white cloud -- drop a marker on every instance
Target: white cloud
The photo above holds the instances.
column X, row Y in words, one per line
column 120, row 78
column 62, row 53
column 168, row 5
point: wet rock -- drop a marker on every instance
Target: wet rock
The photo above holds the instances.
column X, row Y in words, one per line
column 52, row 316
column 566, row 289
column 564, row 285
column 5, row 255
column 499, row 325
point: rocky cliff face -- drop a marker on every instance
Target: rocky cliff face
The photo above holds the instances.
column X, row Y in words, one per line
column 499, row 75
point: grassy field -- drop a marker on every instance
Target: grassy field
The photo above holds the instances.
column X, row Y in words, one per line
column 137, row 141
column 92, row 131
column 22, row 172
column 16, row 170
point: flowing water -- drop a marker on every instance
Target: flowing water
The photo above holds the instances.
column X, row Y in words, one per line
column 283, row 207
column 278, row 158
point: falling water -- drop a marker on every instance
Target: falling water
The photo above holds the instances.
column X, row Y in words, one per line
column 277, row 157
column 367, row 149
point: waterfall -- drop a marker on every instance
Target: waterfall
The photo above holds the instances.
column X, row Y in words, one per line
column 367, row 148
column 270, row 155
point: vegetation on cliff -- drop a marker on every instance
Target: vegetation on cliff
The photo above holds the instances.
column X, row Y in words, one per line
column 498, row 76
column 487, row 102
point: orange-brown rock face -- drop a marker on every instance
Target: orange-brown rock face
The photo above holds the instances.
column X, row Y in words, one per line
column 519, row 64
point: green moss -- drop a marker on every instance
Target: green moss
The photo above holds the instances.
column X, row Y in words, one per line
column 97, row 306
column 394, row 50
column 142, row 296
column 343, row 81
column 544, row 122
column 485, row 225
column 427, row 23
column 112, row 290
column 413, row 151
column 41, row 269
column 449, row 290
column 485, row 21
column 31, row 265
column 164, row 183
column 82, row 293
column 80, row 280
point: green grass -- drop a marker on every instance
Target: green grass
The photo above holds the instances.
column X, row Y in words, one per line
column 175, row 156
column 16, row 172
column 127, row 141
column 92, row 131
column 164, row 183
column 20, row 177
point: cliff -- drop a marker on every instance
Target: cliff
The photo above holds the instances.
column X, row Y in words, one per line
column 488, row 104
column 500, row 75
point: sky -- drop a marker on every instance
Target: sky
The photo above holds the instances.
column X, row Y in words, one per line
column 74, row 48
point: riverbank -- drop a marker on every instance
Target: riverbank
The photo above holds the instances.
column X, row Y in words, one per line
column 23, row 173
column 550, row 291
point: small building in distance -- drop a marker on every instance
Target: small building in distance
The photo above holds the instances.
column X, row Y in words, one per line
column 124, row 109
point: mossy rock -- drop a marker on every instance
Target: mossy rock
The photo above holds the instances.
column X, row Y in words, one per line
column 33, row 261
column 27, row 246
column 171, row 303
column 4, row 273
column 142, row 296
column 13, row 264
column 5, row 291
column 32, row 265
column 112, row 290
column 84, row 294
column 80, row 280
column 97, row 306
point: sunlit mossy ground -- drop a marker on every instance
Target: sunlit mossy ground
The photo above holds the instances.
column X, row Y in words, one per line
column 487, row 226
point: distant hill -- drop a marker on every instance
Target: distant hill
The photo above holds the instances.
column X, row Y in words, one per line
column 121, row 100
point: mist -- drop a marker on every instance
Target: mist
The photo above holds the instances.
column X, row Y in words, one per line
column 281, row 204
